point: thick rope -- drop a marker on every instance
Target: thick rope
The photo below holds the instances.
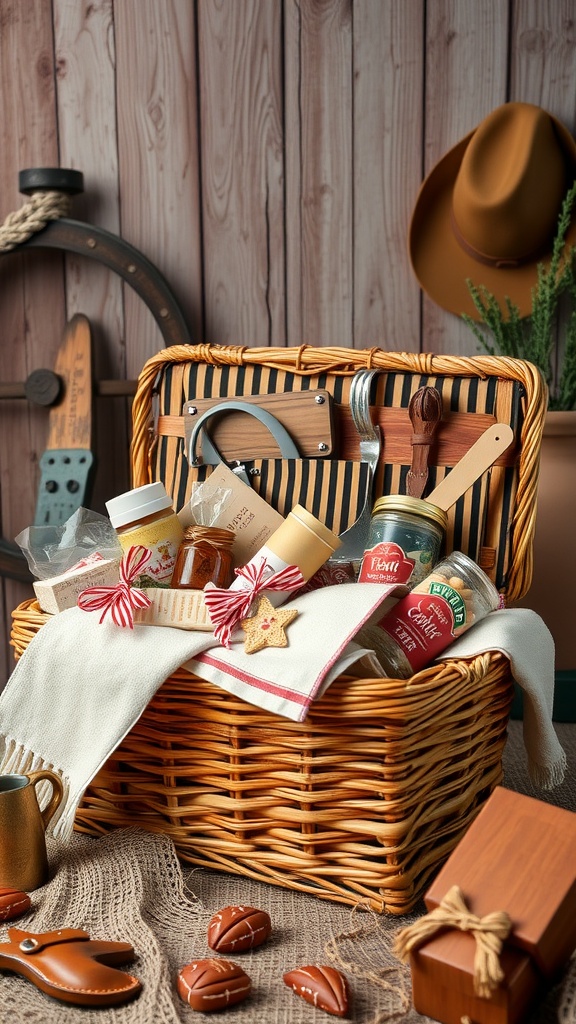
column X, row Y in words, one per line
column 33, row 216
column 489, row 933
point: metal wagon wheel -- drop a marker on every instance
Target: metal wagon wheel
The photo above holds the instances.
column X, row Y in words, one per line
column 50, row 188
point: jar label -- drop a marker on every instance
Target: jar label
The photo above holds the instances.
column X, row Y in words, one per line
column 386, row 563
column 163, row 538
column 423, row 625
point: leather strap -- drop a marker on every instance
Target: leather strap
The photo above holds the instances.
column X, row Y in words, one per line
column 30, row 943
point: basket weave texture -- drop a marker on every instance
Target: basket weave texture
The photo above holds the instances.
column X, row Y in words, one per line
column 360, row 803
column 363, row 801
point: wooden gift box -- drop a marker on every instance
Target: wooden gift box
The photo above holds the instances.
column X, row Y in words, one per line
column 363, row 800
column 519, row 856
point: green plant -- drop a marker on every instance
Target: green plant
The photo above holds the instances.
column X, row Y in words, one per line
column 535, row 337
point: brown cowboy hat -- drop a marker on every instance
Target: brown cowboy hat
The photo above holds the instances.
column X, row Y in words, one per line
column 488, row 211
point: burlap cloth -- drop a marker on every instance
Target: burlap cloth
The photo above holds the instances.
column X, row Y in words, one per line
column 129, row 885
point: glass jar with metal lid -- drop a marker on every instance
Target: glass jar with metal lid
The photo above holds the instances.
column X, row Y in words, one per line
column 145, row 516
column 455, row 595
column 404, row 542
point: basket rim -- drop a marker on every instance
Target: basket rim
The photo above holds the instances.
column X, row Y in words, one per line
column 307, row 359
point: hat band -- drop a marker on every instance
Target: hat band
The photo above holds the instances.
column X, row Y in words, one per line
column 499, row 262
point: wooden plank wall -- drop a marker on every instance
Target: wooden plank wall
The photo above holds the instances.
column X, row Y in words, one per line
column 264, row 154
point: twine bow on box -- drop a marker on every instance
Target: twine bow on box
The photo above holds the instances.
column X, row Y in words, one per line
column 121, row 599
column 489, row 933
column 227, row 608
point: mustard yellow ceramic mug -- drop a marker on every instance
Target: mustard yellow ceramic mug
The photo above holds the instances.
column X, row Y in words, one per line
column 23, row 857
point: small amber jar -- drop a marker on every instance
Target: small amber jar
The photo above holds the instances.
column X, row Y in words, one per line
column 204, row 556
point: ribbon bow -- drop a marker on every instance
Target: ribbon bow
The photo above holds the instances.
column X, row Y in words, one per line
column 227, row 607
column 489, row 933
column 120, row 599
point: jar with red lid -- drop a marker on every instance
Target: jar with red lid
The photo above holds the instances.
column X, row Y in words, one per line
column 204, row 556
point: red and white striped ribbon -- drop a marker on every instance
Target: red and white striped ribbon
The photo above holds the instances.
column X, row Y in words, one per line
column 226, row 608
column 121, row 599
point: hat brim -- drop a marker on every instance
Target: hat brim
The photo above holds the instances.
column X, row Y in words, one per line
column 443, row 267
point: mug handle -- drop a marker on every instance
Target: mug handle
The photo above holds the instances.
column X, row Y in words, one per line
column 57, row 791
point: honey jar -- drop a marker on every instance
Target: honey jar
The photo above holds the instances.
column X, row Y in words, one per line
column 204, row 556
column 144, row 516
column 404, row 541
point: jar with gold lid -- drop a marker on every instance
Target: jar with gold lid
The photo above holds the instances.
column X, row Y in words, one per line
column 204, row 556
column 404, row 542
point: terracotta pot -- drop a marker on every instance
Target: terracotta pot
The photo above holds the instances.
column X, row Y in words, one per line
column 553, row 591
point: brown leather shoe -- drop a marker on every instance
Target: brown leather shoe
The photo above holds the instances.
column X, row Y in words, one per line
column 69, row 966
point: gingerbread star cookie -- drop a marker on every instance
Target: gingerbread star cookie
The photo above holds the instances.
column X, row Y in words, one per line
column 266, row 628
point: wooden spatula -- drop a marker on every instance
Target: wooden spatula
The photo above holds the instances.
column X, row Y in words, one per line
column 483, row 454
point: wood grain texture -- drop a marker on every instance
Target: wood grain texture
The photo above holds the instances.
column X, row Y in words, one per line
column 31, row 287
column 388, row 68
column 158, row 158
column 543, row 56
column 265, row 155
column 85, row 54
column 242, row 171
column 543, row 69
column 320, row 110
column 466, row 63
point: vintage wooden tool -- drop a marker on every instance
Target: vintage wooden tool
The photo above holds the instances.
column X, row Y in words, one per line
column 425, row 411
column 125, row 260
column 65, row 465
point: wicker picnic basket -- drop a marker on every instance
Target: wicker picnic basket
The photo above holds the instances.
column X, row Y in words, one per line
column 363, row 801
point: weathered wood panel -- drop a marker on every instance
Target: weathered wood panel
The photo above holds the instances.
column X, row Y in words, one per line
column 265, row 155
column 319, row 222
column 466, row 77
column 240, row 69
column 32, row 312
column 543, row 63
column 388, row 72
column 158, row 158
column 85, row 55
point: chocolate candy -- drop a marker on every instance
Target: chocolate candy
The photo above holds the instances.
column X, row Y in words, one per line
column 209, row 985
column 324, row 987
column 236, row 929
column 13, row 902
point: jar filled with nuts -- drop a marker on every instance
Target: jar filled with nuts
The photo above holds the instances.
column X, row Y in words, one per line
column 455, row 595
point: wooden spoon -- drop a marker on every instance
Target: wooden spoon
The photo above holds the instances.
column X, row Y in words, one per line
column 425, row 411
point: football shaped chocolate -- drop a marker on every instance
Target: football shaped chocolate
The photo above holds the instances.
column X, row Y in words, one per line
column 209, row 985
column 236, row 929
column 13, row 902
column 324, row 987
